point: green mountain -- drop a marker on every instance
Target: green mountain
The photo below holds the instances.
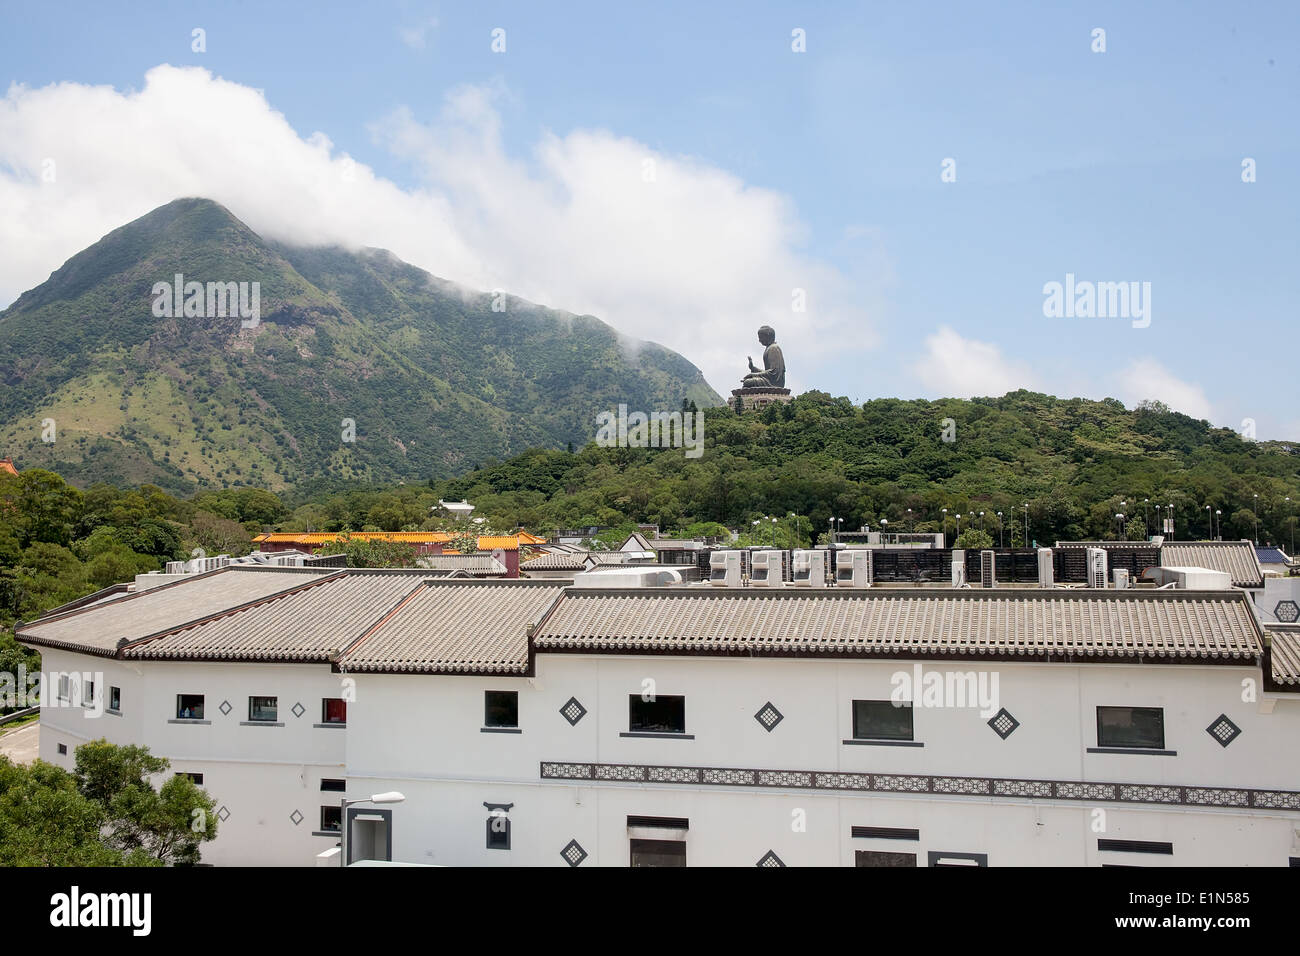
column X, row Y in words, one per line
column 435, row 379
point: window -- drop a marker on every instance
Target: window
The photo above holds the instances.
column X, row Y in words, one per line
column 884, row 833
column 881, row 720
column 331, row 819
column 196, row 777
column 115, row 698
column 263, row 709
column 333, row 710
column 337, row 786
column 189, row 706
column 883, row 858
column 63, row 748
column 88, row 699
column 658, row 852
column 501, row 708
column 1131, row 727
column 1134, row 846
column 65, row 692
column 661, row 715
column 498, row 826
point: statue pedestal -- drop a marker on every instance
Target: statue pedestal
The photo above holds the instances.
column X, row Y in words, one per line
column 749, row 399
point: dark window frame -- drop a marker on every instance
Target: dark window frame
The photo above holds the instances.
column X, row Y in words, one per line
column 660, row 849
column 197, row 778
column 325, row 711
column 114, row 698
column 342, row 785
column 274, row 718
column 1109, row 744
column 495, row 715
column 893, row 707
column 180, row 706
column 335, row 810
column 671, row 724
column 883, row 858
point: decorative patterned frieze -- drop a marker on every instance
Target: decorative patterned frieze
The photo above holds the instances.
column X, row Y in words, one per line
column 917, row 783
column 974, row 785
column 1022, row 788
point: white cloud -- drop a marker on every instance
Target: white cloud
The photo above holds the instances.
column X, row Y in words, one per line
column 1147, row 379
column 416, row 36
column 662, row 247
column 957, row 367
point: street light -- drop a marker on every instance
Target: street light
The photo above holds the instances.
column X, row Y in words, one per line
column 1218, row 520
column 999, row 529
column 774, row 532
column 1146, row 514
column 945, row 525
column 390, row 796
column 1171, row 524
column 1026, row 524
column 909, row 520
column 1256, row 510
column 1209, row 516
column 1119, row 526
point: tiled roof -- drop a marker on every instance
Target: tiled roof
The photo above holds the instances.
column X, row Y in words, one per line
column 1185, row 624
column 305, row 624
column 482, row 564
column 101, row 628
column 1237, row 558
column 572, row 561
column 455, row 627
column 526, row 538
column 7, row 466
column 1268, row 555
column 490, row 542
column 1284, row 644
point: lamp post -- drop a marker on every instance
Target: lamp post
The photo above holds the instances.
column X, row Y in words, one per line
column 391, row 796
column 1146, row 515
column 1171, row 522
column 1119, row 526
column 945, row 525
column 909, row 520
column 1288, row 509
column 1209, row 516
column 1026, row 524
column 1218, row 521
column 774, row 532
column 831, row 533
column 999, row 529
column 1256, row 511
column 884, row 527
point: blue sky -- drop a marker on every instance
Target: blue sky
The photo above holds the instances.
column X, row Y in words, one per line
column 1115, row 166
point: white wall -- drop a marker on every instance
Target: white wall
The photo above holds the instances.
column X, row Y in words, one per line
column 261, row 775
column 422, row 735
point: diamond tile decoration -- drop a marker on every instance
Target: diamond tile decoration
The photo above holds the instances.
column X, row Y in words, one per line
column 296, row 817
column 1003, row 724
column 299, row 709
column 224, row 707
column 573, row 853
column 573, row 711
column 223, row 814
column 769, row 716
column 768, row 860
column 1223, row 730
column 1288, row 612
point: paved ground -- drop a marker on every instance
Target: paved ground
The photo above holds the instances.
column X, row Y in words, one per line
column 22, row 745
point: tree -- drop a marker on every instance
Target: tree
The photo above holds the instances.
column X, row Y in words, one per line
column 218, row 535
column 372, row 552
column 46, row 821
column 167, row 824
column 974, row 539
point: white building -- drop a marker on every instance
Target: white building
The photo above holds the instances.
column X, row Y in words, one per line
column 528, row 723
